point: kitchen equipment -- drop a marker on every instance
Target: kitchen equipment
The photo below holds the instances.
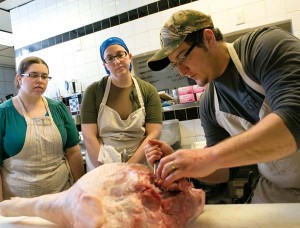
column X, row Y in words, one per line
column 73, row 87
column 171, row 133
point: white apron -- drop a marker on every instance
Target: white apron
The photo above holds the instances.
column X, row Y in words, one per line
column 39, row 168
column 119, row 138
column 278, row 178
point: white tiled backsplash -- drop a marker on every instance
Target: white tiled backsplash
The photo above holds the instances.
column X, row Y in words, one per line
column 191, row 131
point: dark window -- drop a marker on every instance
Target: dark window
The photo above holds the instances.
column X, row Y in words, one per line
column 123, row 17
column 66, row 36
column 105, row 23
column 142, row 11
column 173, row 3
column 114, row 21
column 153, row 8
column 73, row 34
column 97, row 26
column 163, row 5
column 81, row 31
column 45, row 43
column 133, row 14
column 51, row 41
column 58, row 39
column 35, row 47
column 182, row 2
column 89, row 29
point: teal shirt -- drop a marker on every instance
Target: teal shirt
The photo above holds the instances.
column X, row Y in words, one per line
column 13, row 128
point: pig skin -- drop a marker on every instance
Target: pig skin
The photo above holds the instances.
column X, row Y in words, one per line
column 114, row 195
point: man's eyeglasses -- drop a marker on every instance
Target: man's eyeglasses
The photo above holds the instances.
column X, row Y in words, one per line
column 119, row 55
column 35, row 76
column 182, row 58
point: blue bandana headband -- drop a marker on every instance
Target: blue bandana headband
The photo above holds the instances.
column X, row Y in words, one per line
column 111, row 41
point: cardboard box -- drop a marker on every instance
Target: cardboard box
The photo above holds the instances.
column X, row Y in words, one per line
column 198, row 89
column 185, row 90
column 186, row 98
column 198, row 96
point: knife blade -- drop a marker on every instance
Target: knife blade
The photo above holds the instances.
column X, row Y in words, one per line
column 155, row 165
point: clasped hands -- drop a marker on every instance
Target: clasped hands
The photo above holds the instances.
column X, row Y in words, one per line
column 174, row 165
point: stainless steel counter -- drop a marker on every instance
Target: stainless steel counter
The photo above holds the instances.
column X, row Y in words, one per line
column 180, row 106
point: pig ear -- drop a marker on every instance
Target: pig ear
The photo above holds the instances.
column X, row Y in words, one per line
column 89, row 212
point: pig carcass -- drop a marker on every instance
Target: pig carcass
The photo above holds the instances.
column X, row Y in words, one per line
column 114, row 195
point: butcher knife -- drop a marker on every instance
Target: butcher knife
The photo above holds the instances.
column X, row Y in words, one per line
column 155, row 165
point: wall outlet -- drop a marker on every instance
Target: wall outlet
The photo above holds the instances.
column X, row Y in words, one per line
column 239, row 17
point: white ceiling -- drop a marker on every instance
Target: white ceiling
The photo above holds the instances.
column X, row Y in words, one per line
column 7, row 54
column 10, row 4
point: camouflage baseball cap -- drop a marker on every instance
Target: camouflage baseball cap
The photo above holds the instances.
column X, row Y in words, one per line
column 174, row 32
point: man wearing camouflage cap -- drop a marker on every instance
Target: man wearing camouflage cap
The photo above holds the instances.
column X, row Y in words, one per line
column 250, row 110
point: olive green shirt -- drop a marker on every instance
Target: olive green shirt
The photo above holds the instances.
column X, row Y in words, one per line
column 94, row 93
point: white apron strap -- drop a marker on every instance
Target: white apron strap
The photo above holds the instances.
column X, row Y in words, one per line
column 240, row 69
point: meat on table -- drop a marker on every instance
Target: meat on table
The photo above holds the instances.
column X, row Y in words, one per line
column 114, row 195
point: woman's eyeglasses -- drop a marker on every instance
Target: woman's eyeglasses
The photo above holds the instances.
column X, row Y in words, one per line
column 119, row 55
column 35, row 76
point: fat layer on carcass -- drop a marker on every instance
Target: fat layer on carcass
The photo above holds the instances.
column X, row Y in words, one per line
column 114, row 195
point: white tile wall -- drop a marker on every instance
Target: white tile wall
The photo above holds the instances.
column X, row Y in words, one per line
column 122, row 6
column 80, row 59
column 133, row 4
column 109, row 9
column 141, row 24
column 191, row 131
column 126, row 30
column 97, row 13
column 84, row 5
column 275, row 7
column 292, row 5
column 153, row 21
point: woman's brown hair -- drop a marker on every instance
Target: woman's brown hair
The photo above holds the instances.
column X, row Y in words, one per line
column 25, row 64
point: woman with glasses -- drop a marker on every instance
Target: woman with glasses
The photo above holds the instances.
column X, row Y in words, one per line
column 39, row 142
column 119, row 113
